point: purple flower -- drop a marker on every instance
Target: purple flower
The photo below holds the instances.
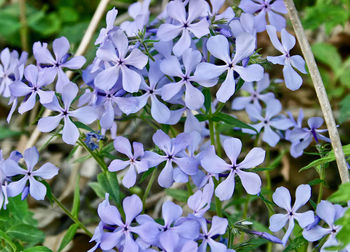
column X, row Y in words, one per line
column 256, row 94
column 174, row 150
column 105, row 32
column 112, row 103
column 218, row 227
column 184, row 24
column 92, row 139
column 199, row 202
column 185, row 228
column 114, row 54
column 216, row 6
column 139, row 11
column 60, row 48
column 282, row 199
column 194, row 98
column 329, row 213
column 269, row 121
column 122, row 234
column 36, row 189
column 159, row 111
column 10, row 69
column 36, row 81
column 302, row 137
column 263, row 7
column 170, row 241
column 70, row 133
column 134, row 164
column 245, row 44
column 291, row 77
column 250, row 181
column 266, row 236
column 245, row 23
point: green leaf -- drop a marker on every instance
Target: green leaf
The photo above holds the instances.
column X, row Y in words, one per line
column 98, row 189
column 327, row 54
column 201, row 117
column 81, row 125
column 344, row 109
column 74, row 32
column 329, row 14
column 316, row 182
column 38, row 249
column 8, row 240
column 296, row 243
column 47, row 24
column 343, row 235
column 179, row 195
column 26, row 233
column 6, row 133
column 327, row 159
column 109, row 183
column 76, row 199
column 9, row 24
column 342, row 195
column 68, row 14
column 68, row 237
column 221, row 117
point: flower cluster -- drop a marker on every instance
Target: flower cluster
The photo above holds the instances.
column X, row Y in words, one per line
column 164, row 72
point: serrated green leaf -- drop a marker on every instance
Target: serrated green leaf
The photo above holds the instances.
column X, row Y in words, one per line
column 26, row 233
column 179, row 195
column 68, row 237
column 221, row 117
column 38, row 249
column 76, row 199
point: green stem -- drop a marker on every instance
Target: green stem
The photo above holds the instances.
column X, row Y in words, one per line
column 322, row 177
column 98, row 159
column 211, row 131
column 218, row 204
column 245, row 213
column 218, row 143
column 148, row 188
column 189, row 188
column 74, row 219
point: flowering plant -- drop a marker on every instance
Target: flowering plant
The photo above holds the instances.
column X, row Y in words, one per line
column 213, row 164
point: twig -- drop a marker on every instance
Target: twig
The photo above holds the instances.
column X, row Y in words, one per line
column 320, row 91
column 81, row 49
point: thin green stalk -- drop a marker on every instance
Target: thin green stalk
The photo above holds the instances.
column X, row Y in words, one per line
column 218, row 204
column 189, row 188
column 218, row 143
column 245, row 213
column 211, row 131
column 322, row 174
column 67, row 212
column 148, row 188
column 98, row 159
